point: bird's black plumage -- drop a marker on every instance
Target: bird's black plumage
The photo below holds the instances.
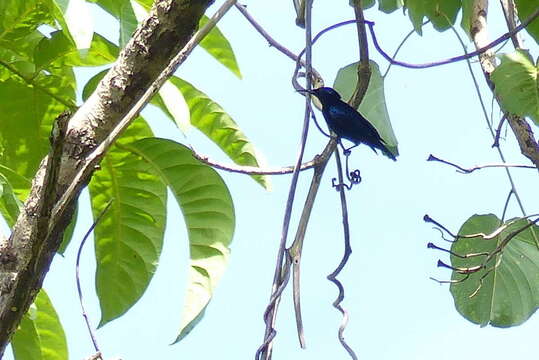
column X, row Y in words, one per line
column 347, row 123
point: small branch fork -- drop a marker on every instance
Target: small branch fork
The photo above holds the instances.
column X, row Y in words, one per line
column 347, row 252
column 488, row 256
column 463, row 170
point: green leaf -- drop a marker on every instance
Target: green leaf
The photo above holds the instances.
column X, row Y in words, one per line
column 508, row 293
column 210, row 118
column 129, row 237
column 22, row 188
column 68, row 233
column 123, row 11
column 146, row 4
column 525, row 9
column 78, row 19
column 373, row 106
column 20, row 133
column 58, row 9
column 208, row 212
column 40, row 335
column 217, row 45
column 442, row 13
column 24, row 135
column 59, row 50
column 416, row 12
column 18, row 56
column 388, row 6
column 25, row 342
column 517, row 86
column 171, row 101
column 9, row 204
column 91, row 85
column 466, row 21
column 21, row 18
column 128, row 22
column 366, row 3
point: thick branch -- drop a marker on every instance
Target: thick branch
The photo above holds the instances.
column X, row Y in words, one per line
column 169, row 27
column 522, row 130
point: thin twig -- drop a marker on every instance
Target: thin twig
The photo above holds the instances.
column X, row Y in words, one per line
column 485, row 114
column 400, row 46
column 270, row 325
column 506, row 204
column 499, row 131
column 347, row 252
column 272, row 306
column 295, row 250
column 95, row 356
column 363, row 68
column 462, row 170
column 253, row 170
column 77, row 277
column 465, row 256
column 508, row 7
column 271, row 41
column 428, row 219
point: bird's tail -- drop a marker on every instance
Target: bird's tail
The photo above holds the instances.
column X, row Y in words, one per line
column 385, row 150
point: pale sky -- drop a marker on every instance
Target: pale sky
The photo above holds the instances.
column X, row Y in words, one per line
column 396, row 312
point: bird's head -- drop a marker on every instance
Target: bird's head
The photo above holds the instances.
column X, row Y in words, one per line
column 326, row 95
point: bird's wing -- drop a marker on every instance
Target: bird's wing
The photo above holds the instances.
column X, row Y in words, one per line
column 346, row 122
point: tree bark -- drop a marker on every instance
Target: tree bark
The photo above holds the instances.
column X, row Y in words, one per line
column 529, row 147
column 26, row 256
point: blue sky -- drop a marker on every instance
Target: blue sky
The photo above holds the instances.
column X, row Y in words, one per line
column 396, row 311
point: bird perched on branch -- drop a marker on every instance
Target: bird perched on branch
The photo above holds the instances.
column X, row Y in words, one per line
column 347, row 123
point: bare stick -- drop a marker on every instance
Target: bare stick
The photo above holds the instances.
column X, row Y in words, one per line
column 499, row 131
column 267, row 352
column 462, row 170
column 347, row 252
column 273, row 43
column 77, row 277
column 295, row 250
column 363, row 68
column 253, row 170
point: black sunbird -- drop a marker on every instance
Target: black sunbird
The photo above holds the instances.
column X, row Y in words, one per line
column 347, row 123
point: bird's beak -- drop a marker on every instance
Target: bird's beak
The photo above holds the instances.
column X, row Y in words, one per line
column 305, row 91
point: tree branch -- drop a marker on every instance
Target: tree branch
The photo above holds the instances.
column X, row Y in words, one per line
column 253, row 170
column 168, row 29
column 363, row 68
column 271, row 41
column 463, row 170
column 522, row 130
